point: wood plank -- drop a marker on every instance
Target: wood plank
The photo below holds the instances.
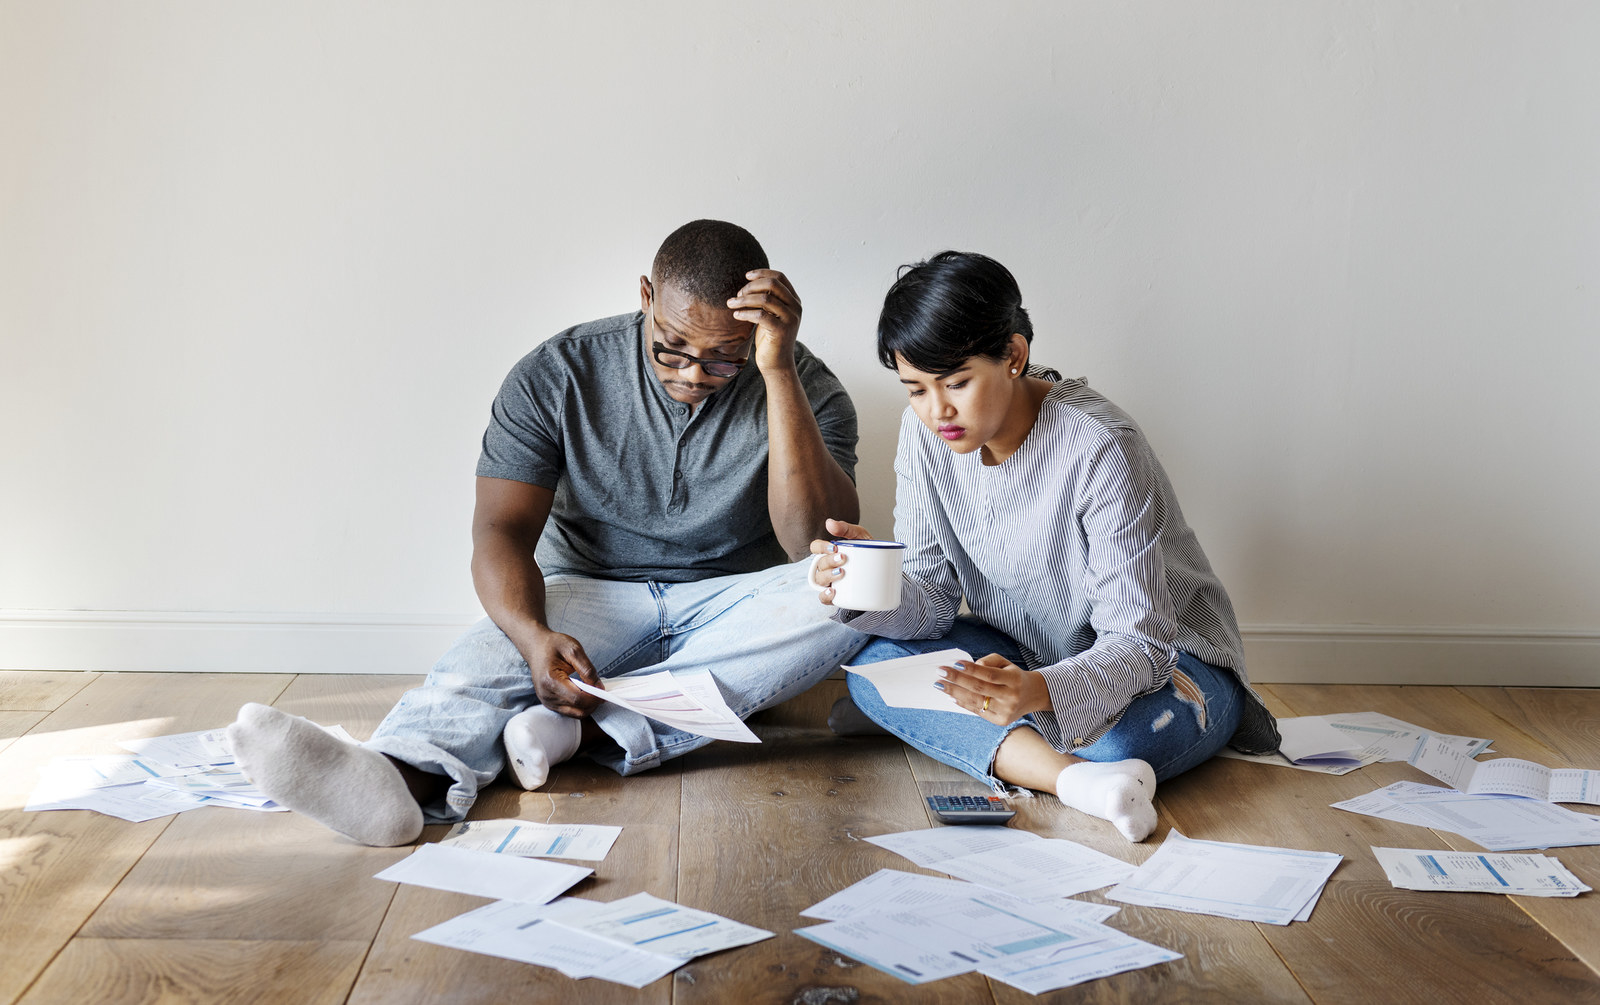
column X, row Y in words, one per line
column 1565, row 719
column 40, row 690
column 15, row 723
column 1223, row 960
column 358, row 702
column 134, row 971
column 1368, row 942
column 778, row 827
column 56, row 867
column 1573, row 922
column 236, row 874
column 646, row 806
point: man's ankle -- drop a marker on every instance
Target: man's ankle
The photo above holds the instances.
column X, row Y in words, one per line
column 425, row 786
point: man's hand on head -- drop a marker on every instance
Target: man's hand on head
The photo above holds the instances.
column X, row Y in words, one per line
column 769, row 302
column 553, row 659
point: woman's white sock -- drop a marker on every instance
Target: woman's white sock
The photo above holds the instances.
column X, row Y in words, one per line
column 536, row 739
column 1122, row 792
column 351, row 789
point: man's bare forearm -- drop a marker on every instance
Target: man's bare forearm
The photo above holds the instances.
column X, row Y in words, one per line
column 805, row 485
column 510, row 586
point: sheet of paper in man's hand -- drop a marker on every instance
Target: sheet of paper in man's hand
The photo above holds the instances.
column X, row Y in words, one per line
column 686, row 701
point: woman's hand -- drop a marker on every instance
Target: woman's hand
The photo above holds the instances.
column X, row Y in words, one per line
column 996, row 689
column 826, row 570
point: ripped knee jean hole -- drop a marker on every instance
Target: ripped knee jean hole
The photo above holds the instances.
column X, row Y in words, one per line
column 1190, row 694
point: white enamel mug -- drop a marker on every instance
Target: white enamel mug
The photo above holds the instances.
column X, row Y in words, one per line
column 871, row 575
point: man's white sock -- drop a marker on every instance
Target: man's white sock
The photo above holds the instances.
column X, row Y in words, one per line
column 536, row 739
column 1122, row 792
column 348, row 788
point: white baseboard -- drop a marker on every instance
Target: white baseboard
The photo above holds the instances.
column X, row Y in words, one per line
column 1305, row 654
column 374, row 643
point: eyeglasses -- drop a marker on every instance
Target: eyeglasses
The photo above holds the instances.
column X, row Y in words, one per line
column 672, row 359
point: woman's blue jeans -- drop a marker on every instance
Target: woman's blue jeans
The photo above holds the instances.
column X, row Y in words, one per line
column 1164, row 728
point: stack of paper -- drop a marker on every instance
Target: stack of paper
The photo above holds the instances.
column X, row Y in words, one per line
column 163, row 775
column 632, row 941
column 1247, row 882
column 924, row 928
column 1474, row 872
column 1340, row 743
column 108, row 785
column 1032, row 867
column 1498, row 823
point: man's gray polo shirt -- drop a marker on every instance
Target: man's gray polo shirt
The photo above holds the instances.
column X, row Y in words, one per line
column 643, row 489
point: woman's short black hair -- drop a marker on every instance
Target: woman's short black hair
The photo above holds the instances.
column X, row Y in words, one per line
column 946, row 310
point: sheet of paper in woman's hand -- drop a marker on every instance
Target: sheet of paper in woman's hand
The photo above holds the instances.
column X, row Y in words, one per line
column 912, row 681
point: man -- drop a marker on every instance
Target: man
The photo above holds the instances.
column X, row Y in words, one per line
column 645, row 485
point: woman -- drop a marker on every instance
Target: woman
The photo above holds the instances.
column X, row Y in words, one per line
column 1113, row 657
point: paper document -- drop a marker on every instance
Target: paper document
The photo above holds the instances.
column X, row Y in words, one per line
column 1049, row 868
column 134, row 803
column 1477, row 872
column 590, row 842
column 484, row 874
column 1341, row 742
column 660, row 926
column 890, row 891
column 1308, row 739
column 224, row 786
column 526, row 933
column 1396, row 738
column 1077, row 962
column 913, row 681
column 1008, row 939
column 163, row 775
column 1499, row 823
column 932, row 845
column 203, row 746
column 1247, row 882
column 1506, row 776
column 687, row 701
column 79, row 773
column 1379, row 804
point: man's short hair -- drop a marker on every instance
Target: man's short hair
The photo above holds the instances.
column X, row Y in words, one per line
column 708, row 259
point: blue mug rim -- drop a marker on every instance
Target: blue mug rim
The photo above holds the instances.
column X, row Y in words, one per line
column 881, row 545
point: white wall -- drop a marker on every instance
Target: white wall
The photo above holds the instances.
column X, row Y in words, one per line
column 262, row 267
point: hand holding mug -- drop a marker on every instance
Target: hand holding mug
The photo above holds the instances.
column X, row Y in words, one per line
column 873, row 581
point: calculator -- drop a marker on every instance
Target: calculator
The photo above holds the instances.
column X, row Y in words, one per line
column 970, row 809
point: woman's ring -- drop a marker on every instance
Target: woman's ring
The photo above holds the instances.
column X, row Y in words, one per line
column 986, row 704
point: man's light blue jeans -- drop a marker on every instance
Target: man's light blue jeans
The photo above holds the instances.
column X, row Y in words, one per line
column 1162, row 728
column 764, row 637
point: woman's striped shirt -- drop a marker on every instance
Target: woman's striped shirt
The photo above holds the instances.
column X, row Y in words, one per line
column 1076, row 548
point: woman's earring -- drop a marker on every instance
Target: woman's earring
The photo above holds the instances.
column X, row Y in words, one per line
column 1013, row 371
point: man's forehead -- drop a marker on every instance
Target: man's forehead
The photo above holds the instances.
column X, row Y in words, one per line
column 692, row 320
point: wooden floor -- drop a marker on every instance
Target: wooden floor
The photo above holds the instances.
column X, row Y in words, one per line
column 230, row 906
